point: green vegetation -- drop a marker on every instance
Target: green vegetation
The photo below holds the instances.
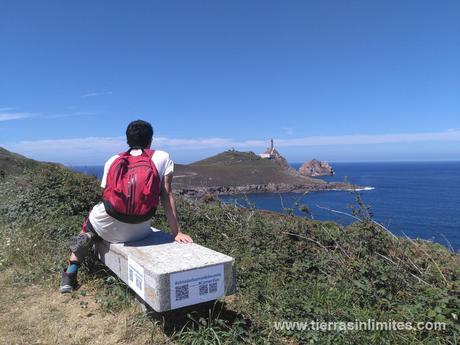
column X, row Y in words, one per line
column 289, row 268
column 232, row 157
column 12, row 163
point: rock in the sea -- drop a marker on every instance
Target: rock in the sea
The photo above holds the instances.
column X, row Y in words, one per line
column 316, row 168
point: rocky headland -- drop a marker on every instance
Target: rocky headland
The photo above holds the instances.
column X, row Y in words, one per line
column 235, row 172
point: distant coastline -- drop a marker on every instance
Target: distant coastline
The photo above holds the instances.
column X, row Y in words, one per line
column 233, row 172
column 197, row 191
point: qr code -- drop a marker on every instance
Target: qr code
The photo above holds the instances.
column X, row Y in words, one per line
column 181, row 292
column 138, row 282
column 203, row 288
column 213, row 287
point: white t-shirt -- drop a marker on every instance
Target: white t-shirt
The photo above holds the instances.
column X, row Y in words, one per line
column 111, row 229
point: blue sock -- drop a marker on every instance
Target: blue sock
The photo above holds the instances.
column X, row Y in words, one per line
column 73, row 267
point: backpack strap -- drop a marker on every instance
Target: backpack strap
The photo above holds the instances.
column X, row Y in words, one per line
column 148, row 187
column 125, row 153
column 149, row 152
column 121, row 163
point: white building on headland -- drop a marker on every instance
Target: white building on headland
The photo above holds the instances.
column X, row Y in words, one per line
column 269, row 152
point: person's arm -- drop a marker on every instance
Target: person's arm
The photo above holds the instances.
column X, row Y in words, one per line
column 169, row 204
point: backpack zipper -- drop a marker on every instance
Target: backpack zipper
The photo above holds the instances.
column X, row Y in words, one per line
column 140, row 165
column 128, row 211
column 134, row 191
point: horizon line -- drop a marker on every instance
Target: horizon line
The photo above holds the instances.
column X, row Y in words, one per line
column 453, row 160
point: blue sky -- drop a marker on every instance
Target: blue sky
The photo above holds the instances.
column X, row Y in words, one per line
column 336, row 80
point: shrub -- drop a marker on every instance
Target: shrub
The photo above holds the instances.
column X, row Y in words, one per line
column 288, row 268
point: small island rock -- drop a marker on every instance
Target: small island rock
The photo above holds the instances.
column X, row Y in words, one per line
column 316, row 168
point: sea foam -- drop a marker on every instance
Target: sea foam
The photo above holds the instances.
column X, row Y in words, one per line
column 360, row 189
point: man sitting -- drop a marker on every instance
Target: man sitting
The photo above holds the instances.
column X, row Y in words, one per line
column 134, row 182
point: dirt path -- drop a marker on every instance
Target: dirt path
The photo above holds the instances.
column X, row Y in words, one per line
column 36, row 315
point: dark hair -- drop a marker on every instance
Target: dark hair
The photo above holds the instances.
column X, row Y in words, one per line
column 139, row 133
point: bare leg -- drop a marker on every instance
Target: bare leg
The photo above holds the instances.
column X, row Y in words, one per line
column 79, row 246
column 73, row 257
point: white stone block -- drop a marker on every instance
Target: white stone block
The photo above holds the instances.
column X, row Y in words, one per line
column 169, row 275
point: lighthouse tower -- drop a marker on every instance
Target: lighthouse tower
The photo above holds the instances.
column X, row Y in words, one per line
column 269, row 152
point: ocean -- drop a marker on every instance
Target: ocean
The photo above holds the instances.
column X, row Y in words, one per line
column 417, row 199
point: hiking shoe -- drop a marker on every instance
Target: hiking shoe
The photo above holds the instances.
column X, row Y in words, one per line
column 68, row 282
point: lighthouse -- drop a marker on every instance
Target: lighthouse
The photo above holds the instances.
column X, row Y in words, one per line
column 269, row 152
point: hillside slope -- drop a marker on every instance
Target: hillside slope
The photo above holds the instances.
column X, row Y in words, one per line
column 239, row 169
column 288, row 269
column 13, row 163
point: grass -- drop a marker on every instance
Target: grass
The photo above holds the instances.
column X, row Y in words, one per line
column 232, row 157
column 34, row 314
column 13, row 163
column 288, row 268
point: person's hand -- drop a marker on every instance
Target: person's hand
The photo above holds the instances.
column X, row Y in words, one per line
column 183, row 238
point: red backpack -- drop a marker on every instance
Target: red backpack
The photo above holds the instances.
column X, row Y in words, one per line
column 132, row 191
